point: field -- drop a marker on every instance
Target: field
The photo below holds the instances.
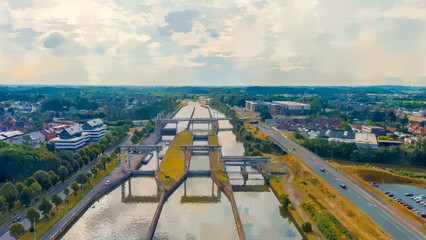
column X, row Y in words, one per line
column 324, row 204
column 364, row 175
column 257, row 133
column 172, row 167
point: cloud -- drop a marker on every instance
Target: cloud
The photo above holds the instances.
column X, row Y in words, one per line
column 179, row 22
column 54, row 40
column 222, row 42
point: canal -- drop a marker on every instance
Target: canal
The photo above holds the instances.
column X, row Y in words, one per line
column 196, row 210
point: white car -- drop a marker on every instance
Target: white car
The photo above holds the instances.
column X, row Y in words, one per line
column 107, row 183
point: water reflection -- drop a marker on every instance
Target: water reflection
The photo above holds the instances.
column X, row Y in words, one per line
column 261, row 213
column 261, row 216
column 197, row 211
column 115, row 216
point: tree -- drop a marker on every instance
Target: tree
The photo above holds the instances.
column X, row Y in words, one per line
column 63, row 173
column 30, row 181
column 256, row 153
column 307, row 227
column 19, row 187
column 88, row 175
column 94, row 171
column 100, row 166
column 36, row 188
column 16, row 230
column 265, row 115
column 386, row 138
column 285, row 202
column 45, row 207
column 74, row 186
column 3, row 204
column 66, row 191
column 53, row 177
column 105, row 160
column 345, row 127
column 56, row 200
column 33, row 215
column 82, row 179
column 50, row 145
column 43, row 178
column 27, row 195
column 8, row 191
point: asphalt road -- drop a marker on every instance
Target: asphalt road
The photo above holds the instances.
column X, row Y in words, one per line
column 4, row 230
column 389, row 219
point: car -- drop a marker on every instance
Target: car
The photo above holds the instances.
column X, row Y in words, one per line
column 409, row 207
column 405, row 204
column 107, row 183
column 391, row 195
column 387, row 193
column 17, row 219
column 374, row 184
column 343, row 186
column 322, row 169
column 294, row 149
column 408, row 194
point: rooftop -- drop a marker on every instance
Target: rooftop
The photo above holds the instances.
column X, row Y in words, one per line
column 290, row 103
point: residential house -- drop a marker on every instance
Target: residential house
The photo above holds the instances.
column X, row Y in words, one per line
column 34, row 139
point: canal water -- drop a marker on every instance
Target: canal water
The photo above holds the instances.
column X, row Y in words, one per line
column 259, row 211
column 124, row 213
column 196, row 210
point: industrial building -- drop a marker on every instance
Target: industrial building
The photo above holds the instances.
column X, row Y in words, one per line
column 360, row 139
column 278, row 107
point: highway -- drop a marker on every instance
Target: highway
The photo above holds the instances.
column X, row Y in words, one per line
column 4, row 229
column 389, row 219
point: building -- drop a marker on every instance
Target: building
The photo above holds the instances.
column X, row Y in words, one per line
column 387, row 143
column 360, row 139
column 378, row 131
column 287, row 107
column 71, row 138
column 48, row 133
column 56, row 123
column 34, row 139
column 95, row 129
column 278, row 107
column 13, row 137
column 7, row 122
column 256, row 106
column 417, row 125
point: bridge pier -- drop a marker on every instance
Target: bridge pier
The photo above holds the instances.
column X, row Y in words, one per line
column 128, row 160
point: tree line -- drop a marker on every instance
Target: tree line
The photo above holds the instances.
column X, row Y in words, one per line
column 415, row 154
column 51, row 169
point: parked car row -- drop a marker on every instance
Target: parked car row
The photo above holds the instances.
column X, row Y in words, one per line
column 400, row 201
column 420, row 200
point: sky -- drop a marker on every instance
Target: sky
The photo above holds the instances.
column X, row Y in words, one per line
column 213, row 42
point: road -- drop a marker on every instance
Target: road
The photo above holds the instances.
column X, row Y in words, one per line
column 389, row 219
column 4, row 230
